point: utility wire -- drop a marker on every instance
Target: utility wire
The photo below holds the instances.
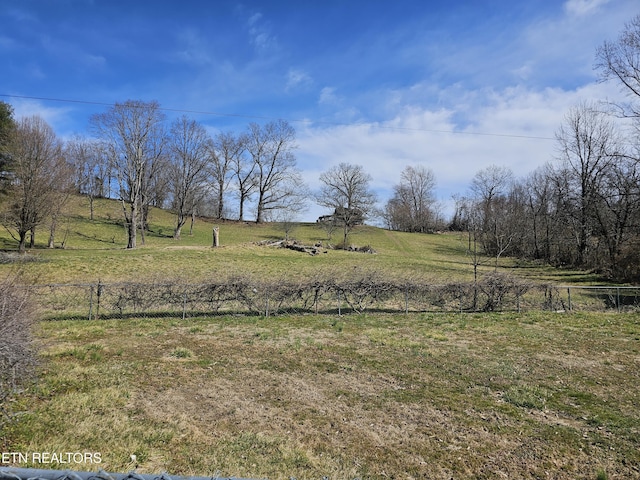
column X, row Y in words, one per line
column 239, row 115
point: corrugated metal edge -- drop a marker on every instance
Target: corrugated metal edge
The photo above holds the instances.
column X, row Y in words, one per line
column 13, row 473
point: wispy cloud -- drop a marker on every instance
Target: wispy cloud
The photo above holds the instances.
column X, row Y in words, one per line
column 297, row 79
column 328, row 96
column 260, row 33
column 583, row 7
column 192, row 48
column 514, row 127
column 54, row 116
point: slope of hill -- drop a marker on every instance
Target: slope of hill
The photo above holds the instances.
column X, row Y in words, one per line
column 95, row 249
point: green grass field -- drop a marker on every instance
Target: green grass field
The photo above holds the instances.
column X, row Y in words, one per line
column 95, row 250
column 374, row 396
column 500, row 395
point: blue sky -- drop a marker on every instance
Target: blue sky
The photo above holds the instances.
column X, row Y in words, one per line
column 453, row 85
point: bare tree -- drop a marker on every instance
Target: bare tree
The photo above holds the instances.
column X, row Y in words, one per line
column 617, row 212
column 188, row 150
column 491, row 182
column 620, row 60
column 587, row 144
column 133, row 134
column 38, row 169
column 227, row 159
column 278, row 182
column 347, row 191
column 469, row 217
column 59, row 198
column 538, row 191
column 412, row 207
column 244, row 171
column 490, row 188
column 90, row 164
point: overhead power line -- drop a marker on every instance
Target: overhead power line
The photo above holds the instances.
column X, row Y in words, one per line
column 261, row 117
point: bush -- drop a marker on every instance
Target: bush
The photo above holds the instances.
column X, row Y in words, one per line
column 496, row 287
column 17, row 352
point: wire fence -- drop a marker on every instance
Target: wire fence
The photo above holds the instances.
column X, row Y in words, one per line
column 243, row 297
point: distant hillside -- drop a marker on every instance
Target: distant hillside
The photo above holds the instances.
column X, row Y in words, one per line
column 95, row 249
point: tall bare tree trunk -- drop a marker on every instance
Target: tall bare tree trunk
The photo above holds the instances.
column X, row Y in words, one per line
column 133, row 226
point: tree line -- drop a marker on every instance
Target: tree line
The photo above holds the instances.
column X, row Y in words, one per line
column 135, row 157
column 580, row 210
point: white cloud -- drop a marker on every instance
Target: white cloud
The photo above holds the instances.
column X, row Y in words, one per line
column 297, row 78
column 26, row 108
column 259, row 32
column 328, row 96
column 583, row 7
column 514, row 127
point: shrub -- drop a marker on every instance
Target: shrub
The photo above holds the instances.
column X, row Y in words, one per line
column 497, row 287
column 17, row 352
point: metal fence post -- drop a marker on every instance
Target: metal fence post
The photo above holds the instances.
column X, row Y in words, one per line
column 98, row 294
column 90, row 301
column 569, row 298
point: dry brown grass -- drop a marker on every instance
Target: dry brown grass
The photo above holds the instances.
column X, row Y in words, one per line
column 372, row 396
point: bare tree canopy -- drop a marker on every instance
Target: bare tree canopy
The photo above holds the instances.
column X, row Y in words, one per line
column 38, row 172
column 134, row 137
column 346, row 189
column 226, row 161
column 620, row 60
column 413, row 206
column 189, row 147
column 278, row 181
column 91, row 168
column 243, row 169
column 490, row 182
column 588, row 147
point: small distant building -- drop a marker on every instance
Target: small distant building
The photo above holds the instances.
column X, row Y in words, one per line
column 341, row 215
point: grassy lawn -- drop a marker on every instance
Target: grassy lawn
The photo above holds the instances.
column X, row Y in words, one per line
column 532, row 395
column 537, row 395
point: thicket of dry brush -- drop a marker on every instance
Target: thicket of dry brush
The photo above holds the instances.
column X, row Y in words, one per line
column 323, row 292
column 17, row 351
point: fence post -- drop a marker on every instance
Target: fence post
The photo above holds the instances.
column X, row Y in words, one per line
column 339, row 304
column 98, row 294
column 548, row 292
column 618, row 298
column 90, row 301
column 184, row 305
column 569, row 297
column 406, row 300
